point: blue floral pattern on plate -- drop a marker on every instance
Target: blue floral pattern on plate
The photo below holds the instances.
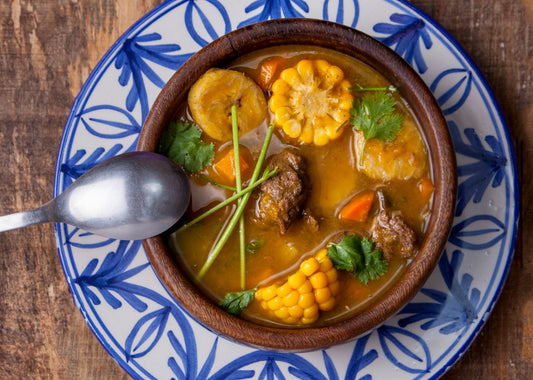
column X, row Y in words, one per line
column 152, row 337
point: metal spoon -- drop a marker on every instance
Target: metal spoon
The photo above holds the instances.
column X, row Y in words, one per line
column 131, row 196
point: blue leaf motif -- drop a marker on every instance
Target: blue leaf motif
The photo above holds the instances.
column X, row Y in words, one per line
column 488, row 167
column 207, row 20
column 298, row 366
column 86, row 240
column 74, row 167
column 341, row 12
column 452, row 311
column 483, row 230
column 406, row 33
column 133, row 62
column 451, row 88
column 359, row 359
column 114, row 122
column 146, row 332
column 272, row 9
column 110, row 278
column 402, row 346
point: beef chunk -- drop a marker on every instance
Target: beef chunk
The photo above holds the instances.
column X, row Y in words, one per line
column 282, row 196
column 393, row 235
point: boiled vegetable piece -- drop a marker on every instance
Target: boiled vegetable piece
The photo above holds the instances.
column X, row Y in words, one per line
column 358, row 207
column 226, row 165
column 211, row 97
column 267, row 72
column 403, row 158
column 311, row 101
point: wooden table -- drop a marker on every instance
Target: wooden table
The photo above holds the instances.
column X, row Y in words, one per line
column 47, row 50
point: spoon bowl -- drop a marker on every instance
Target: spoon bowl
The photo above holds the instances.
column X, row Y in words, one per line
column 132, row 196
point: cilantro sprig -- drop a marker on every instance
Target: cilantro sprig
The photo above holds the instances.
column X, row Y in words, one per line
column 182, row 142
column 357, row 255
column 374, row 115
column 235, row 302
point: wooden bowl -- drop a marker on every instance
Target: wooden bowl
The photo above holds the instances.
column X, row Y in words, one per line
column 427, row 111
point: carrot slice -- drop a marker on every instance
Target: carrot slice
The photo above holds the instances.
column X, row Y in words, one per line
column 267, row 71
column 425, row 186
column 357, row 209
column 226, row 165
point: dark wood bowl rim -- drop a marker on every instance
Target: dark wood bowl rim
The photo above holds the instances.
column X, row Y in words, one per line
column 356, row 44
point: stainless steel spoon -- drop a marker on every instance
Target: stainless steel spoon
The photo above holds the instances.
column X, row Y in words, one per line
column 131, row 196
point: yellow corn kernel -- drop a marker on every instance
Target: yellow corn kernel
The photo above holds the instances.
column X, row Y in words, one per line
column 275, row 303
column 292, row 128
column 277, row 101
column 309, row 266
column 314, row 91
column 321, row 137
column 327, row 305
column 319, row 280
column 283, row 114
column 291, row 320
column 321, row 254
column 291, row 299
column 297, row 279
column 311, row 311
column 290, row 76
column 332, row 275
column 322, row 66
column 282, row 313
column 283, row 290
column 270, row 292
column 334, row 287
column 259, row 294
column 322, row 295
column 306, row 287
column 296, row 311
column 305, row 69
column 306, row 300
column 280, row 87
column 334, row 75
column 325, row 264
column 307, row 321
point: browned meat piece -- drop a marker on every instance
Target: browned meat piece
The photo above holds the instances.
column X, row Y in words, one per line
column 282, row 196
column 393, row 236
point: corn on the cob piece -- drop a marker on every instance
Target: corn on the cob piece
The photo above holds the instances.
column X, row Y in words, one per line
column 311, row 101
column 305, row 293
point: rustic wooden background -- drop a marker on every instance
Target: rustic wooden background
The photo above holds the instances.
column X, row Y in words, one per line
column 47, row 50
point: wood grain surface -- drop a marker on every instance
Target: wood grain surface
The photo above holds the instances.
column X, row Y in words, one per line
column 47, row 50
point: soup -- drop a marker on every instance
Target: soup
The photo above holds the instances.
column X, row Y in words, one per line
column 335, row 210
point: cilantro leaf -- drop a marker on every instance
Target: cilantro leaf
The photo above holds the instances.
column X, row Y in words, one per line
column 358, row 255
column 234, row 303
column 183, row 144
column 375, row 116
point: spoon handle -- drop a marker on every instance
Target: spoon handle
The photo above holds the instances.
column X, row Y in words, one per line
column 25, row 218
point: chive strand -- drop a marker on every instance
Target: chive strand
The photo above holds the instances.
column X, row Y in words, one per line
column 227, row 201
column 238, row 185
column 240, row 208
column 225, row 187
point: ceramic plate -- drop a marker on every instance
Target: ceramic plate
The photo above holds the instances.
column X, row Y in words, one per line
column 152, row 337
